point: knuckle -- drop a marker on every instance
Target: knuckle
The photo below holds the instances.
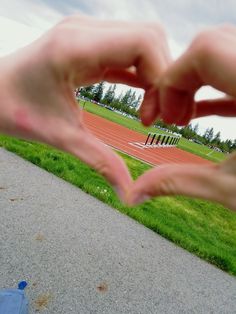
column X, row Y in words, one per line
column 167, row 186
column 59, row 45
column 207, row 45
column 153, row 32
column 203, row 48
column 57, row 38
column 103, row 168
column 202, row 43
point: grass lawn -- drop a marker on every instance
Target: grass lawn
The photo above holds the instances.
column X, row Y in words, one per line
column 200, row 150
column 206, row 229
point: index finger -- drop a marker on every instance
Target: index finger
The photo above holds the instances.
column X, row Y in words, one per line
column 84, row 145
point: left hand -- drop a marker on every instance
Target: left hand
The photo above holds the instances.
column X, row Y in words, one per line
column 37, row 84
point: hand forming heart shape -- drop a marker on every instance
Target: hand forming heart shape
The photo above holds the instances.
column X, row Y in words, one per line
column 37, row 85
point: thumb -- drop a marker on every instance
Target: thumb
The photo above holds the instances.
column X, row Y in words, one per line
column 214, row 182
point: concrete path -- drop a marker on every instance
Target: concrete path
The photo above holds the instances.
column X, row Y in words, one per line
column 81, row 256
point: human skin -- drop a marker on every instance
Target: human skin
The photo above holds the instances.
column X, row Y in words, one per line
column 37, row 97
column 210, row 60
column 38, row 82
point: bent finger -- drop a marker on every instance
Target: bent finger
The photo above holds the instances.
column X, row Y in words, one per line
column 150, row 108
column 177, row 88
column 123, row 77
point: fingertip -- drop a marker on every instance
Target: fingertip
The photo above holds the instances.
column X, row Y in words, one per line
column 150, row 109
column 146, row 120
column 122, row 191
column 137, row 199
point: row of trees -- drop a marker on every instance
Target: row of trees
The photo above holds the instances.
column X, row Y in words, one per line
column 214, row 139
column 129, row 102
column 126, row 101
column 208, row 138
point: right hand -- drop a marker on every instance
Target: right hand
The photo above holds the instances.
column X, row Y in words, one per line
column 210, row 60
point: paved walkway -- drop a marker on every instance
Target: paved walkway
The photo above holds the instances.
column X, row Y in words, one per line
column 81, row 256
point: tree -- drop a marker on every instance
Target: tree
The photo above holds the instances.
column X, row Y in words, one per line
column 216, row 139
column 126, row 98
column 187, row 132
column 224, row 146
column 190, row 126
column 233, row 146
column 132, row 100
column 110, row 94
column 230, row 145
column 87, row 91
column 208, row 135
column 139, row 101
column 196, row 128
column 98, row 91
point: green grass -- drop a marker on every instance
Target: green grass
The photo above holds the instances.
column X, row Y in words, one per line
column 200, row 150
column 206, row 229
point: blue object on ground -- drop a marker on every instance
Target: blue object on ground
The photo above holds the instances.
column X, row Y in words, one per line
column 14, row 301
column 22, row 285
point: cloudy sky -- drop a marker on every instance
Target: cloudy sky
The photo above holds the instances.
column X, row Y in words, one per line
column 22, row 21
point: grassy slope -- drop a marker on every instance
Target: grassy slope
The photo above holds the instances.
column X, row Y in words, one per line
column 184, row 144
column 204, row 228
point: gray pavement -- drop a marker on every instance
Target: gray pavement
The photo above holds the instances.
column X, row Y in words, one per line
column 81, row 256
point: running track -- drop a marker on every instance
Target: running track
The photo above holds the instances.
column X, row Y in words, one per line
column 119, row 137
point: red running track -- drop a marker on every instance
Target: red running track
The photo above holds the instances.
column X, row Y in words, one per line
column 119, row 137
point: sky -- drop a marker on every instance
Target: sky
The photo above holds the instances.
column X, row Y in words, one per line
column 23, row 21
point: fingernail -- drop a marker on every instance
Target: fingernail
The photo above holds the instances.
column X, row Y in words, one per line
column 138, row 199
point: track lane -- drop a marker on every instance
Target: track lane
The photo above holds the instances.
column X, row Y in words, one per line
column 119, row 137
